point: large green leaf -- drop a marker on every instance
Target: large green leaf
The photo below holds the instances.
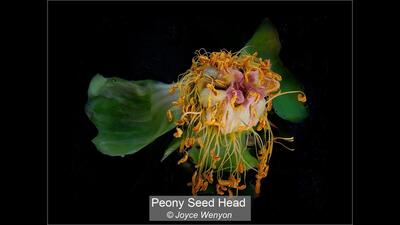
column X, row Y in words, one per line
column 265, row 42
column 128, row 114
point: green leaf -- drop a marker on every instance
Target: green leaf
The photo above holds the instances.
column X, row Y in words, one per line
column 174, row 145
column 266, row 42
column 128, row 114
column 194, row 154
column 250, row 160
column 287, row 106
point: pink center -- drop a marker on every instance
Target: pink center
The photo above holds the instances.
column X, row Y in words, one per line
column 242, row 88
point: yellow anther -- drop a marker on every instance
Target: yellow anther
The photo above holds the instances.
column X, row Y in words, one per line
column 186, row 109
column 180, row 122
column 189, row 142
column 204, row 187
column 246, row 76
column 269, row 106
column 169, row 115
column 209, row 102
column 212, row 122
column 200, row 141
column 225, row 182
column 192, row 101
column 204, row 59
column 241, row 187
column 261, row 124
column 193, row 108
column 184, row 158
column 253, row 111
column 179, row 102
column 197, row 127
column 257, row 187
column 233, row 99
column 172, row 88
column 178, row 132
column 212, row 89
column 242, row 128
column 255, row 95
column 219, row 191
column 240, row 167
column 230, row 193
column 220, row 83
column 301, row 97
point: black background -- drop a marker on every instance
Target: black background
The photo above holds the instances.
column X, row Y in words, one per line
column 156, row 41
